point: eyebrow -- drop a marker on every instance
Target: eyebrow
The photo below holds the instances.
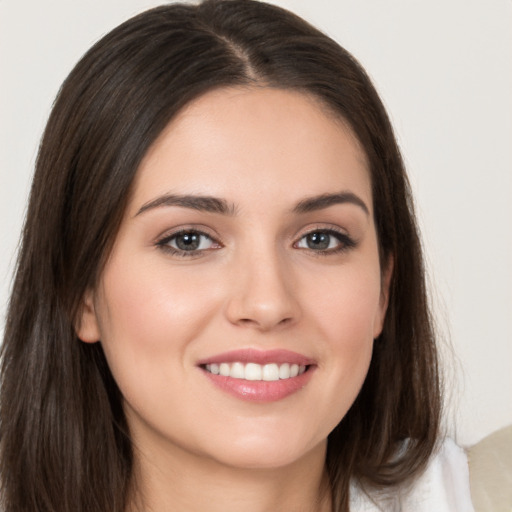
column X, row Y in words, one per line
column 212, row 204
column 322, row 201
column 194, row 202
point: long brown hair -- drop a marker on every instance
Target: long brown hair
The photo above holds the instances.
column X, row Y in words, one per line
column 64, row 441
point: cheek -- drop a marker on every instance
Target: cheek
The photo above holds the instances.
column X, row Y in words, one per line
column 345, row 315
column 148, row 319
column 347, row 306
column 152, row 306
column 347, row 326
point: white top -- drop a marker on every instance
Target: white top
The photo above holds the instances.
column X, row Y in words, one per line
column 443, row 487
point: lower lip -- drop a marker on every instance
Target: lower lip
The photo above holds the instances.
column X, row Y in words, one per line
column 261, row 390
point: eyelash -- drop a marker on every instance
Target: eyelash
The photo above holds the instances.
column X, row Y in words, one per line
column 164, row 242
column 345, row 242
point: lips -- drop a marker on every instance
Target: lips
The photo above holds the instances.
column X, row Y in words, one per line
column 255, row 375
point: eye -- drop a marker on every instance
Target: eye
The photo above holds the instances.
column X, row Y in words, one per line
column 188, row 241
column 326, row 241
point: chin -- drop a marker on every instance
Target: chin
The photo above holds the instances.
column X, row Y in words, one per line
column 265, row 453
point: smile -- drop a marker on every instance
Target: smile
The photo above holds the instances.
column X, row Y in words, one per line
column 255, row 371
column 259, row 375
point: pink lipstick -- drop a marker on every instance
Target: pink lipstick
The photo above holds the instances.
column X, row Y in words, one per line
column 256, row 375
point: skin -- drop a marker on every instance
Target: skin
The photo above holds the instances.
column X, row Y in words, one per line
column 255, row 283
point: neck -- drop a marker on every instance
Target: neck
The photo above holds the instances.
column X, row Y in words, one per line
column 164, row 482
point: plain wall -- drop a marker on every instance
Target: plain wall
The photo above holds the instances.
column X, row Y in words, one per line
column 443, row 69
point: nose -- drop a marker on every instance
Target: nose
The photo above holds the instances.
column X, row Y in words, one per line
column 262, row 293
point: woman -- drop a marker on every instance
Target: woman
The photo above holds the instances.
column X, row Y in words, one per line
column 219, row 300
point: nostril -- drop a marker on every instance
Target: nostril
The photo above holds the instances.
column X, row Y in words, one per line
column 262, row 323
column 261, row 306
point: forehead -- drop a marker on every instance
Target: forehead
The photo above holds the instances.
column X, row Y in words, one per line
column 259, row 140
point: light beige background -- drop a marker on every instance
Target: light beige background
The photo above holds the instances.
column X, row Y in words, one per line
column 444, row 70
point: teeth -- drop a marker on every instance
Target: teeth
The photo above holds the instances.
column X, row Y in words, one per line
column 253, row 371
column 284, row 371
column 237, row 371
column 224, row 369
column 271, row 372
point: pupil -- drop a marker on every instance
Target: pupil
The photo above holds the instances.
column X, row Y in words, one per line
column 318, row 240
column 188, row 241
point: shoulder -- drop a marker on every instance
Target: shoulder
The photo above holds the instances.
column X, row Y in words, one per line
column 443, row 487
column 490, row 471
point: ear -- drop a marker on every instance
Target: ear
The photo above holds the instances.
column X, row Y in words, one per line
column 386, row 275
column 86, row 324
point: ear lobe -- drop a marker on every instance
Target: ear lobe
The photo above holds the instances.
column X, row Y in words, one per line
column 386, row 275
column 86, row 324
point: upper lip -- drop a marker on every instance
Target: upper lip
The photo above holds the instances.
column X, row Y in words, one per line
column 251, row 355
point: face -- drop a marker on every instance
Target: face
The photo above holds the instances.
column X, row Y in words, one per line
column 239, row 305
